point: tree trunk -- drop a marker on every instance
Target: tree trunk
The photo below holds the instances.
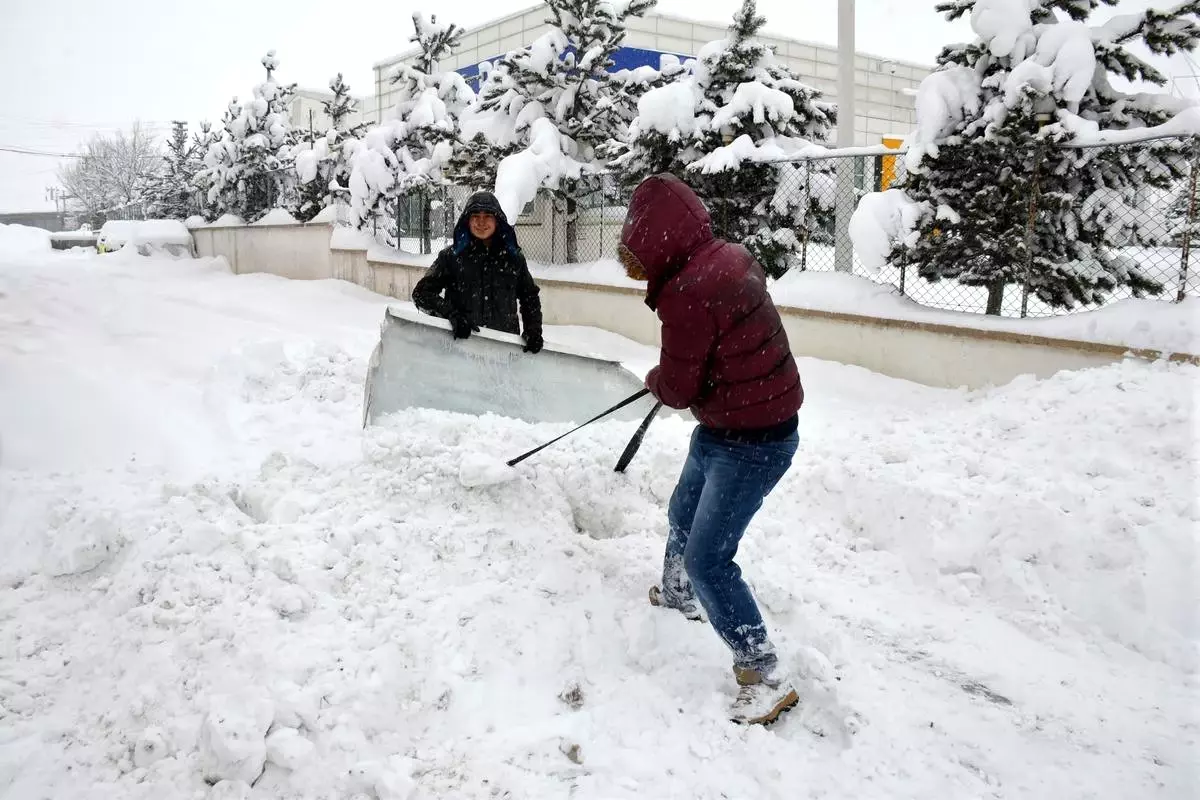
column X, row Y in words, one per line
column 426, row 223
column 572, row 231
column 995, row 301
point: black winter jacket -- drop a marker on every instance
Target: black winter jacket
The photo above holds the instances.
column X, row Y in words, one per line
column 482, row 283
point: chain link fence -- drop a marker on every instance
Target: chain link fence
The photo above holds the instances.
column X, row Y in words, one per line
column 1154, row 228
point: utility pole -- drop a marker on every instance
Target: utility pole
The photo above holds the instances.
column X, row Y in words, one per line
column 843, row 253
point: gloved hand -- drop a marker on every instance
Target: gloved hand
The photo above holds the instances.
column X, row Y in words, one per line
column 533, row 343
column 462, row 329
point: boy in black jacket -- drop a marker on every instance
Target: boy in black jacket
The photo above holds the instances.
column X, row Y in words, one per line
column 483, row 276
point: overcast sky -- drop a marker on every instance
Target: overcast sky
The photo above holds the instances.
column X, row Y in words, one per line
column 76, row 67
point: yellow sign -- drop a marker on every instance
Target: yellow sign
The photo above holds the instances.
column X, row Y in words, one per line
column 887, row 169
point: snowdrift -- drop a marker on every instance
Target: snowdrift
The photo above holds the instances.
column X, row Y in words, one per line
column 18, row 240
column 1001, row 583
column 419, row 365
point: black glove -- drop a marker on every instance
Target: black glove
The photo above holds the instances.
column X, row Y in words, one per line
column 462, row 329
column 533, row 343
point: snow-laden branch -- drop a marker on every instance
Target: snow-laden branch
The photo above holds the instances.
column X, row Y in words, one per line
column 543, row 164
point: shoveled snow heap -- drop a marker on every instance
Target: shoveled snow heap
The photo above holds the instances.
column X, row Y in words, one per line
column 211, row 574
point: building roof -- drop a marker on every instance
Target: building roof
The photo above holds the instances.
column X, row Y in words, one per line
column 768, row 32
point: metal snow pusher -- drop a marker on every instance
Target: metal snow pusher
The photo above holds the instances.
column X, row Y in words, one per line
column 418, row 364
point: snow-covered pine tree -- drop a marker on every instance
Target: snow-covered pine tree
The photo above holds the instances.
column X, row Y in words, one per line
column 409, row 151
column 1184, row 206
column 563, row 77
column 247, row 170
column 323, row 159
column 719, row 126
column 171, row 195
column 985, row 158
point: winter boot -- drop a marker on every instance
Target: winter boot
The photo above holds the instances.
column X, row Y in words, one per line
column 689, row 608
column 762, row 699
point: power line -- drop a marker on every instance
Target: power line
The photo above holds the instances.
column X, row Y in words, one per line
column 27, row 152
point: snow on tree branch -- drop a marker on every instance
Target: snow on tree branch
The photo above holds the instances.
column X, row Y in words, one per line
column 543, row 164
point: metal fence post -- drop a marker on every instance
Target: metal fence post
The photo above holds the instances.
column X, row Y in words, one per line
column 808, row 220
column 1035, row 190
column 1191, row 221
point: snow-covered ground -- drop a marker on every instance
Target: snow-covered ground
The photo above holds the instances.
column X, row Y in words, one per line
column 207, row 563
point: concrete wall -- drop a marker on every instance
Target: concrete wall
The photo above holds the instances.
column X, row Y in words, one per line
column 932, row 354
column 290, row 251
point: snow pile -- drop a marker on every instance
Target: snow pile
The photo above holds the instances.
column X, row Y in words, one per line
column 195, row 221
column 1125, row 569
column 314, row 611
column 227, row 221
column 329, row 214
column 116, row 233
column 22, row 239
column 276, row 216
column 345, row 237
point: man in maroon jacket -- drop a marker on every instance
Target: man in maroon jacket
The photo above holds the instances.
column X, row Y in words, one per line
column 725, row 356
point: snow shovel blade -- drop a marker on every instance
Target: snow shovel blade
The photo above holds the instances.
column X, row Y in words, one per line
column 418, row 364
column 636, row 442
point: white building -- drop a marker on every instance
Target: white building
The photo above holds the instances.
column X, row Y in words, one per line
column 885, row 87
column 307, row 110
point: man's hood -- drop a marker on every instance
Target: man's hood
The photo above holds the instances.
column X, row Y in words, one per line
column 665, row 224
column 484, row 202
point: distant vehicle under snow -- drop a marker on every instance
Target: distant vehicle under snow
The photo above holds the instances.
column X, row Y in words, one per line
column 150, row 237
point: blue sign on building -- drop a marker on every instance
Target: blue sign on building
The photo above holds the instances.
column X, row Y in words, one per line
column 623, row 58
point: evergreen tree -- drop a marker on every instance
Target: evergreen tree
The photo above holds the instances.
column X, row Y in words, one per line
column 1184, row 207
column 720, row 124
column 408, row 153
column 172, row 196
column 564, row 77
column 247, row 169
column 323, row 159
column 985, row 159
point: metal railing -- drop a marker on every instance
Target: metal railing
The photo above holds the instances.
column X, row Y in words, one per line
column 1154, row 232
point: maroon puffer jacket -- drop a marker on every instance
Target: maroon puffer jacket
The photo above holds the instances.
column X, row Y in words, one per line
column 725, row 354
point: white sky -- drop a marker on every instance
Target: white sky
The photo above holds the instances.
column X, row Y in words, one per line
column 76, row 67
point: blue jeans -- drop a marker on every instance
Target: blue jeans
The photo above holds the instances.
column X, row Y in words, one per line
column 722, row 487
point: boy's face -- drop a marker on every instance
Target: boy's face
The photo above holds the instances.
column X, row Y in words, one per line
column 483, row 225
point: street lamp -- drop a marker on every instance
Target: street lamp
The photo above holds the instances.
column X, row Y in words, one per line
column 843, row 250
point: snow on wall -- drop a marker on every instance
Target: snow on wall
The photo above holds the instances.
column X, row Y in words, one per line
column 276, row 216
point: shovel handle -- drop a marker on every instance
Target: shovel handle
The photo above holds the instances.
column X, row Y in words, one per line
column 636, row 442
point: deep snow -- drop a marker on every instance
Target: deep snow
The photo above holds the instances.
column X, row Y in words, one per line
column 208, row 565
